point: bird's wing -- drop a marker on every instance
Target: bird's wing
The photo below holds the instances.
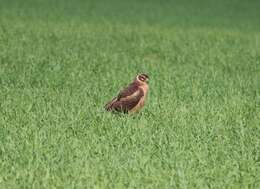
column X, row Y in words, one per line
column 110, row 104
column 132, row 91
column 127, row 102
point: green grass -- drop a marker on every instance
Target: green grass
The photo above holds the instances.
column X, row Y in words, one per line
column 61, row 61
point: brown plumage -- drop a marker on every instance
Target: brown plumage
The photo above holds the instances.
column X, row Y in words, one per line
column 132, row 98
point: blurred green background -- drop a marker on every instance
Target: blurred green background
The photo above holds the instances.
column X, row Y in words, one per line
column 61, row 61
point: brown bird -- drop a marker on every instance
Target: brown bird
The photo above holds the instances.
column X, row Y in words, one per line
column 132, row 98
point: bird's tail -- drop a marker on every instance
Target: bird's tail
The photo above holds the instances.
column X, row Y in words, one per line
column 109, row 105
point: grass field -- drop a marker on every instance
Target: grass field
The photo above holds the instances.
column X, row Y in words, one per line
column 61, row 61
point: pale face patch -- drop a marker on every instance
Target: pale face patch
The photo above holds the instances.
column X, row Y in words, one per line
column 141, row 78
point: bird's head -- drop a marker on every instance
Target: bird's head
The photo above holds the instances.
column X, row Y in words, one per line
column 142, row 79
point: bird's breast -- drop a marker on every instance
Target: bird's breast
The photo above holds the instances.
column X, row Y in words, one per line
column 141, row 102
column 145, row 89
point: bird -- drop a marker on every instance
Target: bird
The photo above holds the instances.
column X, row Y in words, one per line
column 132, row 98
